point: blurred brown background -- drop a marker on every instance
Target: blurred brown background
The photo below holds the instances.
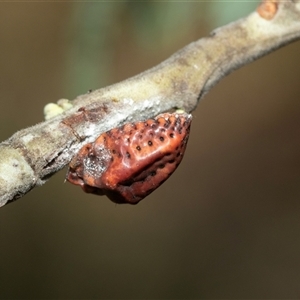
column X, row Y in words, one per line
column 225, row 225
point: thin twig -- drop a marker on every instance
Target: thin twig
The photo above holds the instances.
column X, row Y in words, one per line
column 32, row 155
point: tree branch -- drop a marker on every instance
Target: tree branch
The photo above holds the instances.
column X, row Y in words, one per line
column 32, row 155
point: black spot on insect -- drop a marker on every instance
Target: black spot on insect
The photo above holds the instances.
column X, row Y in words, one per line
column 150, row 143
column 152, row 173
column 133, row 126
column 171, row 135
column 177, row 122
column 161, row 139
column 167, row 123
column 161, row 166
column 171, row 161
column 138, row 148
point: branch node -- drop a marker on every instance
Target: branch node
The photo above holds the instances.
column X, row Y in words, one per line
column 268, row 9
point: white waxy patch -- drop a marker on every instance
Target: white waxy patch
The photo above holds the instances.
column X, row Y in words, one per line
column 128, row 101
column 90, row 130
column 179, row 111
column 27, row 138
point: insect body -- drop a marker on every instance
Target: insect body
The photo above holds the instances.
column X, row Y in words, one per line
column 129, row 162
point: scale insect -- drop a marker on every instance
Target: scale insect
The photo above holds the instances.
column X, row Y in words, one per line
column 128, row 163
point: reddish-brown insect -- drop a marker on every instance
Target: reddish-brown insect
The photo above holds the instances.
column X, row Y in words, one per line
column 129, row 162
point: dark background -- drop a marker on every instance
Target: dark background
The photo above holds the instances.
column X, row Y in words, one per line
column 225, row 225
